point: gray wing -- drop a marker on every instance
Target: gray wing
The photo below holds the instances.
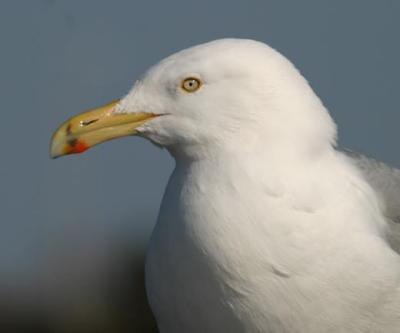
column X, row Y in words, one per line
column 385, row 180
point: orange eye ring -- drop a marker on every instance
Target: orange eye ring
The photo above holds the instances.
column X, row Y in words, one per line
column 191, row 84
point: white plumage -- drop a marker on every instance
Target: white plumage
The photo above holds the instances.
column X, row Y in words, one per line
column 264, row 225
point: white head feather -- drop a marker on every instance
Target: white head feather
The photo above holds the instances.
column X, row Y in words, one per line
column 250, row 93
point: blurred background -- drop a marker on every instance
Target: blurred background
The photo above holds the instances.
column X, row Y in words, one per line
column 73, row 231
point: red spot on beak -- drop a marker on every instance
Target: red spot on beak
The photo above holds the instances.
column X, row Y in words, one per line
column 76, row 147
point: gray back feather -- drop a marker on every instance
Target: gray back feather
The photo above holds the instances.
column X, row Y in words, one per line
column 385, row 180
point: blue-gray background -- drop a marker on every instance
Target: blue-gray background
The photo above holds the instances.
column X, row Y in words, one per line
column 73, row 230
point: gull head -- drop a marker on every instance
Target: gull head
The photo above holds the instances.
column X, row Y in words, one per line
column 227, row 94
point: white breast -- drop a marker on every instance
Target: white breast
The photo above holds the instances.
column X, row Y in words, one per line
column 235, row 253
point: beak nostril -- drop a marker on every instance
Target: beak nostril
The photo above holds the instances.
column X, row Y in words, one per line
column 87, row 122
column 68, row 130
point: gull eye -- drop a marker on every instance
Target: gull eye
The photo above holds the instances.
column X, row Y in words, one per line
column 190, row 84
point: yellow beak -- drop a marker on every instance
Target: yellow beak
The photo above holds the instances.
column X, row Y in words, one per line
column 93, row 127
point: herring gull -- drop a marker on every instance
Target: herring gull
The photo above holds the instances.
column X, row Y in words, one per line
column 265, row 226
